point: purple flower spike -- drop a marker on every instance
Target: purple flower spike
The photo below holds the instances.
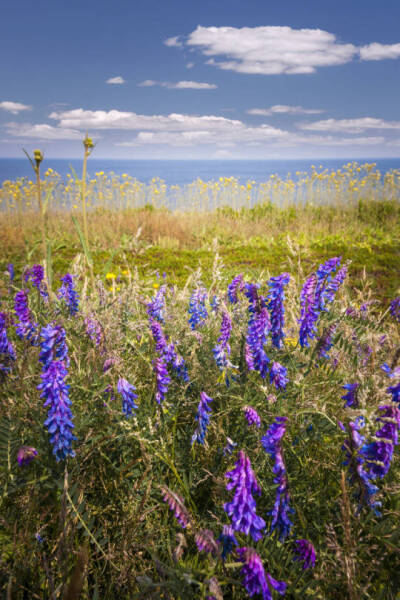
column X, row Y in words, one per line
column 252, row 416
column 197, row 308
column 234, row 287
column 351, row 396
column 94, row 330
column 305, row 553
column 309, row 312
column 379, row 453
column 242, row 509
column 127, row 391
column 228, row 540
column 255, row 580
column 10, row 271
column 36, row 274
column 68, row 293
column 177, row 506
column 7, row 352
column 24, row 327
column 222, row 350
column 205, row 541
column 162, row 378
column 203, row 418
column 257, row 330
column 276, row 298
column 53, row 345
column 278, row 376
column 25, row 455
column 156, row 307
column 395, row 308
column 326, row 340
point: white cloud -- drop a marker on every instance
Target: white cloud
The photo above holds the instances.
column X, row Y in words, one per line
column 173, row 42
column 14, row 107
column 42, row 131
column 116, row 80
column 190, row 65
column 350, row 125
column 283, row 109
column 179, row 85
column 376, row 51
column 270, row 50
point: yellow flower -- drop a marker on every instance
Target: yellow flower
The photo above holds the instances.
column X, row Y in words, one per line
column 156, row 285
column 290, row 342
column 111, row 276
column 125, row 272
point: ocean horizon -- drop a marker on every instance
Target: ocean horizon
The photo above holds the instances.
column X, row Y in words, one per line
column 182, row 172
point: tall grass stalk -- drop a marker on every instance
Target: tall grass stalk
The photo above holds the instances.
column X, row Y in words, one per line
column 88, row 147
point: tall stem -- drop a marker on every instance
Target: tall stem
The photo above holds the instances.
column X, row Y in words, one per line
column 38, row 157
column 88, row 146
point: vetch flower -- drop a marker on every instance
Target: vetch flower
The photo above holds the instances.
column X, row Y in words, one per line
column 177, row 506
column 202, row 418
column 393, row 390
column 197, row 308
column 68, row 293
column 275, row 304
column 10, row 271
column 205, row 541
column 234, row 287
column 255, row 580
column 7, row 352
column 326, row 340
column 278, row 376
column 127, row 391
column 53, row 345
column 257, row 331
column 94, row 330
column 242, row 509
column 395, row 308
column 305, row 553
column 252, row 416
column 351, row 396
column 36, row 274
column 228, row 540
column 162, row 379
column 156, row 307
column 222, row 349
column 379, row 453
column 25, row 455
column 25, row 328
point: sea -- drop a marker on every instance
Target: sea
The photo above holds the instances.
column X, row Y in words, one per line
column 181, row 172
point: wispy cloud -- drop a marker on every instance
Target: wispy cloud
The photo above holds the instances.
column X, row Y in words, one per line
column 283, row 109
column 173, row 42
column 14, row 107
column 116, row 80
column 179, row 85
column 273, row 50
column 350, row 125
column 41, row 131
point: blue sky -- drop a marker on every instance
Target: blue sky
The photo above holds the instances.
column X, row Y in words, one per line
column 184, row 79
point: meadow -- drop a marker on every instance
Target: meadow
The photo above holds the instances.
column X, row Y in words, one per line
column 200, row 398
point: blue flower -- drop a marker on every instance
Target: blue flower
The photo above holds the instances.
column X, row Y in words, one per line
column 68, row 293
column 257, row 331
column 395, row 308
column 252, row 416
column 228, row 540
column 25, row 328
column 7, row 352
column 278, row 376
column 203, row 418
column 351, row 396
column 197, row 308
column 156, row 307
column 127, row 392
column 305, row 553
column 255, row 580
column 53, row 345
column 162, row 379
column 36, row 274
column 234, row 287
column 275, row 304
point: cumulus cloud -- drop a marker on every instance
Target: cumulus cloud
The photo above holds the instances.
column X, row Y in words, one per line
column 179, row 85
column 283, row 109
column 350, row 125
column 376, row 51
column 116, row 80
column 14, row 107
column 270, row 50
column 42, row 131
column 173, row 42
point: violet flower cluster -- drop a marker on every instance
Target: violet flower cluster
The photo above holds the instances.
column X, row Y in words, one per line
column 177, row 506
column 271, row 443
column 305, row 554
column 351, row 396
column 222, row 349
column 25, row 328
column 393, row 390
column 197, row 308
column 127, row 391
column 25, row 455
column 205, row 541
column 378, row 454
column 257, row 331
column 68, row 293
column 275, row 304
column 242, row 509
column 55, row 391
column 11, row 272
column 94, row 330
column 202, row 418
column 156, row 307
column 228, row 541
column 234, row 287
column 36, row 275
column 252, row 416
column 7, row 352
column 278, row 376
column 395, row 308
column 162, row 379
column 255, row 580
column 325, row 342
column 167, row 351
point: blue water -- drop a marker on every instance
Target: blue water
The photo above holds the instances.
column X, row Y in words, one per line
column 180, row 172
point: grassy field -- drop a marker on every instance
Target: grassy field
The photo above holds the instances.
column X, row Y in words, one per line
column 176, row 381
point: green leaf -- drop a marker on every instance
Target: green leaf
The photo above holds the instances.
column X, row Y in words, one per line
column 83, row 242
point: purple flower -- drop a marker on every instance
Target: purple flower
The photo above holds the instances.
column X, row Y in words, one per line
column 222, row 350
column 68, row 293
column 252, row 416
column 229, row 447
column 379, row 453
column 351, row 396
column 162, row 379
column 25, row 455
column 257, row 331
column 395, row 308
column 276, row 298
column 94, row 330
column 36, row 274
column 394, row 390
column 215, row 303
column 326, row 340
column 242, row 509
column 177, row 506
column 7, row 352
column 202, row 418
column 197, row 308
column 308, row 311
column 127, row 392
column 305, row 553
column 278, row 376
column 205, row 541
column 271, row 443
column 228, row 540
column 108, row 363
column 234, row 287
column 332, row 287
column 255, row 580
column 25, row 328
column 53, row 346
column 10, row 271
column 156, row 307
